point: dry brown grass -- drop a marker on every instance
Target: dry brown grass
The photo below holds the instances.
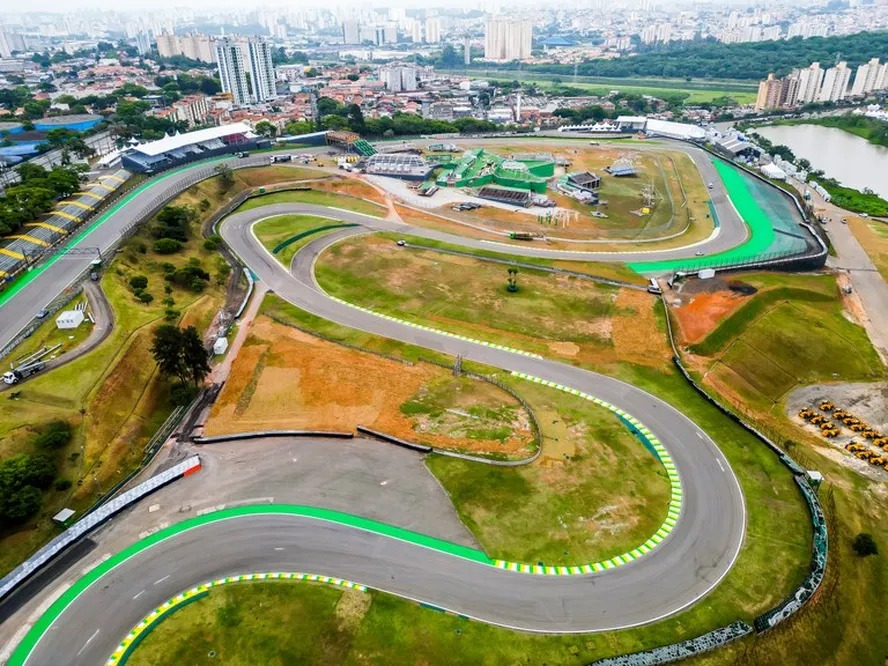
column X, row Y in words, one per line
column 285, row 379
column 350, row 187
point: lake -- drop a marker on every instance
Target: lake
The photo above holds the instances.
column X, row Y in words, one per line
column 850, row 159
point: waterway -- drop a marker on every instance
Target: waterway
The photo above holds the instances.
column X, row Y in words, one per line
column 850, row 159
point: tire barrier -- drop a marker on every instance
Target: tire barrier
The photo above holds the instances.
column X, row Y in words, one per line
column 138, row 633
column 820, row 551
column 236, row 437
column 92, row 520
column 677, row 651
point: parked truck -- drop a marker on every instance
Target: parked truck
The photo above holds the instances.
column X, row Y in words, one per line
column 23, row 371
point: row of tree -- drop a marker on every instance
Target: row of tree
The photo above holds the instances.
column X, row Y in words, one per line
column 37, row 193
column 711, row 59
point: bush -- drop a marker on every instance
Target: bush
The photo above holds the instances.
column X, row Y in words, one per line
column 22, row 477
column 864, row 545
column 212, row 243
column 54, row 435
column 182, row 394
column 138, row 282
column 191, row 277
column 171, row 314
column 145, row 297
column 204, row 205
column 62, row 484
column 167, row 246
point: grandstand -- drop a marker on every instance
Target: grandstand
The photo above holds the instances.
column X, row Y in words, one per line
column 582, row 186
column 477, row 168
column 172, row 151
column 20, row 250
column 398, row 165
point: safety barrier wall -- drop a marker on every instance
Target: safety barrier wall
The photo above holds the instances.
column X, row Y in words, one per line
column 683, row 650
column 782, row 611
column 218, row 439
column 91, row 521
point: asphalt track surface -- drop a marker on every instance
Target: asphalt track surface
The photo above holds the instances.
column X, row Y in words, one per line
column 19, row 310
column 683, row 568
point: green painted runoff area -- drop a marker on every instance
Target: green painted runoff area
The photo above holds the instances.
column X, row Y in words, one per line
column 24, row 648
column 761, row 230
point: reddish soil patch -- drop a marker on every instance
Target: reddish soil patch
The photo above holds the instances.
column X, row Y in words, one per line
column 703, row 313
column 285, row 379
column 350, row 187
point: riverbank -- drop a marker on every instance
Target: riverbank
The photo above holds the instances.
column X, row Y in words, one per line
column 825, row 150
column 873, row 130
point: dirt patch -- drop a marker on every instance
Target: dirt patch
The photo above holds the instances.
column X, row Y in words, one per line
column 351, row 609
column 700, row 313
column 564, row 348
column 350, row 187
column 286, row 379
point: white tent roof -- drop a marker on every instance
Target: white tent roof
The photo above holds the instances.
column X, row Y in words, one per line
column 169, row 143
column 673, row 129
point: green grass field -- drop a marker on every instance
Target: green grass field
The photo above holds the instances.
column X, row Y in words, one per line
column 317, row 198
column 275, row 230
column 458, row 294
column 790, row 336
column 596, row 491
column 698, row 92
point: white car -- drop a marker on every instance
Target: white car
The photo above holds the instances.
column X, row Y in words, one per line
column 402, row 243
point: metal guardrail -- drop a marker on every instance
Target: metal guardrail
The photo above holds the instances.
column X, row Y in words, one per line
column 91, row 521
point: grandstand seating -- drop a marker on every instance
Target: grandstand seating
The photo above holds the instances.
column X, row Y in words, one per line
column 363, row 147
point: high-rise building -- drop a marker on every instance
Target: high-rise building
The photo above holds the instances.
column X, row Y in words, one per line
column 432, row 30
column 810, row 82
column 507, row 39
column 770, row 93
column 246, row 70
column 5, row 47
column 168, row 46
column 467, row 50
column 390, row 33
column 143, row 43
column 867, row 78
column 197, row 47
column 398, row 78
column 261, row 68
column 351, row 32
column 835, row 83
column 232, row 73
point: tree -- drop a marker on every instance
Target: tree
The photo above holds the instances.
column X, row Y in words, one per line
column 226, row 176
column 180, row 353
column 355, row 119
column 864, row 545
column 167, row 245
column 512, row 285
column 194, row 355
column 266, row 129
column 55, row 434
column 167, row 352
column 138, row 282
column 174, row 222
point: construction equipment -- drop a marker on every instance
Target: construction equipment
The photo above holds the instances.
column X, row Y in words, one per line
column 881, row 441
column 830, row 432
column 826, row 406
column 865, row 455
column 851, row 420
column 818, row 419
column 807, row 413
column 854, row 447
column 878, row 460
column 859, row 427
column 28, row 365
column 870, row 433
column 827, row 425
column 841, row 414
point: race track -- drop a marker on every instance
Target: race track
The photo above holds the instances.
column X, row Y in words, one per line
column 688, row 564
